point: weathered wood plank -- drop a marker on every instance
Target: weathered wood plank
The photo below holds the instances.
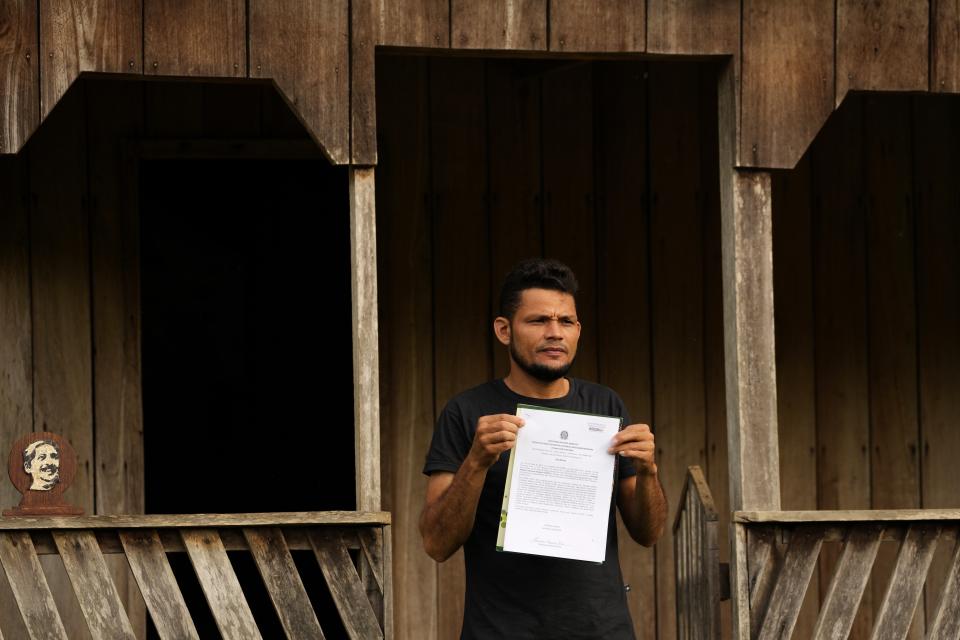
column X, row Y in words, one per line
column 798, row 566
column 516, row 204
column 219, row 583
column 513, row 24
column 847, row 515
column 92, row 585
column 200, row 520
column 413, row 23
column 697, row 27
column 115, row 114
column 310, row 64
column 882, row 45
column 363, row 94
column 892, row 331
column 597, row 25
column 345, row 588
column 906, row 582
column 763, row 564
column 740, row 583
column 86, row 35
column 29, row 586
column 796, row 401
column 945, row 622
column 195, row 38
column 406, row 357
column 20, row 85
column 786, row 79
column 366, row 368
column 282, row 579
column 463, row 348
column 848, row 583
column 938, row 305
column 623, row 293
column 371, row 569
column 945, row 46
column 388, row 608
column 168, row 610
column 569, row 212
column 16, row 361
column 676, row 297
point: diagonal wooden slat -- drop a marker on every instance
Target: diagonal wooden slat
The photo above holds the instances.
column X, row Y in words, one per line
column 848, row 583
column 787, row 597
column 906, row 582
column 153, row 574
column 762, row 566
column 220, row 585
column 29, row 586
column 280, row 575
column 92, row 584
column 946, row 621
column 344, row 582
column 371, row 568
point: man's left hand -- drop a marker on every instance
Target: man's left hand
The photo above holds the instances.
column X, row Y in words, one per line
column 636, row 442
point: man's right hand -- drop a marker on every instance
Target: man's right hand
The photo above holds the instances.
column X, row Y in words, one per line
column 495, row 434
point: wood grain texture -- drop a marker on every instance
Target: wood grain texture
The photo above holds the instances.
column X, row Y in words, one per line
column 406, row 355
column 848, row 515
column 882, row 45
column 516, row 204
column 569, row 211
column 623, row 291
column 938, row 307
column 29, row 586
column 19, row 77
column 787, row 79
column 905, row 587
column 345, row 588
column 219, row 583
column 413, row 23
column 945, row 621
column 463, row 343
column 86, row 35
column 945, row 46
column 310, row 64
column 168, row 611
column 201, row 520
column 195, row 38
column 513, row 24
column 282, row 579
column 794, row 576
column 597, row 25
column 848, row 582
column 676, row 299
column 363, row 91
column 92, row 584
column 840, row 326
column 366, row 368
column 697, row 27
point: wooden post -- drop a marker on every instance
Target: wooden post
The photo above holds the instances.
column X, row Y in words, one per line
column 749, row 356
column 366, row 380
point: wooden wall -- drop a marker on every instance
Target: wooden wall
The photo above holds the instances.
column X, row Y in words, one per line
column 866, row 239
column 609, row 166
column 795, row 61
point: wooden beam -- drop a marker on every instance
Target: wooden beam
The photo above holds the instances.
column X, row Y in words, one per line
column 366, row 377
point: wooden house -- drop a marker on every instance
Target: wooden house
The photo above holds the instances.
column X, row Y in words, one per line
column 201, row 199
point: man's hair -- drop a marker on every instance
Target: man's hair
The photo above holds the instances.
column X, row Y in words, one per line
column 535, row 273
column 31, row 451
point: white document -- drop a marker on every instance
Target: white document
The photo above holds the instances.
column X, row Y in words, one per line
column 559, row 484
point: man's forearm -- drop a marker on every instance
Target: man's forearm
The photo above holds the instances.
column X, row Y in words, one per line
column 447, row 520
column 645, row 512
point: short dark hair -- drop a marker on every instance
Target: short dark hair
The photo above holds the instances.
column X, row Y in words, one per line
column 535, row 273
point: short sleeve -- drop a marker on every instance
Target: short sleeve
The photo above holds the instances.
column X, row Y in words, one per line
column 451, row 441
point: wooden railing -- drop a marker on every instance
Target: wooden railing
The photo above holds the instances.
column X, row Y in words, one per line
column 697, row 561
column 351, row 548
column 776, row 553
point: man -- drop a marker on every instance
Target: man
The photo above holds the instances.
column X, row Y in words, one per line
column 41, row 460
column 524, row 596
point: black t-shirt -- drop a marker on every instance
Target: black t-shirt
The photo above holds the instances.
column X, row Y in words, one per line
column 512, row 595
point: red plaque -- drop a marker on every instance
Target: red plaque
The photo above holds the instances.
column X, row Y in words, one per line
column 42, row 466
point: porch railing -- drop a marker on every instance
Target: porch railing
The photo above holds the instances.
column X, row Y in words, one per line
column 776, row 553
column 351, row 548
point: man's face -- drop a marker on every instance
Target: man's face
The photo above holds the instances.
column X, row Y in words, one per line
column 544, row 333
column 45, row 465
